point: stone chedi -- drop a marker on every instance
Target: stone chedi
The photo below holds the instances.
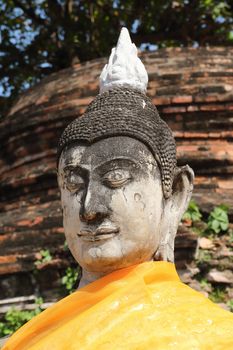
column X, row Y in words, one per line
column 191, row 89
column 123, row 197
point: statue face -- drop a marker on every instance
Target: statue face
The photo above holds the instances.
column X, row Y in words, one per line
column 112, row 203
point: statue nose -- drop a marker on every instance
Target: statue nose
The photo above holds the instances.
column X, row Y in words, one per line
column 93, row 207
column 92, row 216
column 89, row 216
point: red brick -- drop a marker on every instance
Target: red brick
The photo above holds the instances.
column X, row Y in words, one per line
column 24, row 223
column 37, row 220
column 42, row 99
column 178, row 134
column 228, row 87
column 81, row 101
column 11, row 268
column 225, row 184
column 182, row 99
column 212, row 108
column 215, row 135
column 192, row 108
column 8, row 259
column 206, row 98
column 174, row 125
column 82, row 110
column 60, row 230
column 93, row 86
column 225, row 97
column 194, row 134
column 173, row 110
column 161, row 101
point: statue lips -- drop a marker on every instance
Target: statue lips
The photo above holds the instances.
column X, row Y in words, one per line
column 101, row 233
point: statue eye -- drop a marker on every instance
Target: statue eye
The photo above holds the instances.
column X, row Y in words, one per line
column 116, row 178
column 74, row 182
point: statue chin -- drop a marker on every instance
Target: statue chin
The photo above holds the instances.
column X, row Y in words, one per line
column 115, row 214
column 112, row 254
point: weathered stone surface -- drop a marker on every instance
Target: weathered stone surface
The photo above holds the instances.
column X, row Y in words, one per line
column 205, row 243
column 196, row 285
column 188, row 273
column 220, row 276
column 192, row 89
column 3, row 341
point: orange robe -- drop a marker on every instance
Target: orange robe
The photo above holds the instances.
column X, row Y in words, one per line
column 144, row 306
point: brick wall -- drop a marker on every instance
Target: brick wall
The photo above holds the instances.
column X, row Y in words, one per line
column 193, row 91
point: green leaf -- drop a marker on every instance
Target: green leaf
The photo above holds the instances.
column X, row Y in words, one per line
column 70, row 278
column 215, row 226
column 218, row 219
column 192, row 213
column 224, row 226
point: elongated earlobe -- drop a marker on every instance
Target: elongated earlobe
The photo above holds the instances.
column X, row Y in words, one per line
column 182, row 189
column 174, row 209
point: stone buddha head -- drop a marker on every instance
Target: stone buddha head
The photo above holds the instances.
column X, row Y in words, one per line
column 122, row 193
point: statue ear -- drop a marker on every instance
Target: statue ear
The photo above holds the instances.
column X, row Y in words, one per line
column 174, row 208
column 182, row 189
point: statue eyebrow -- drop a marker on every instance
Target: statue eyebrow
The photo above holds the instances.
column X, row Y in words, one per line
column 112, row 163
column 80, row 170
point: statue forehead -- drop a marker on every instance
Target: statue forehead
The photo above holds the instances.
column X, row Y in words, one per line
column 119, row 147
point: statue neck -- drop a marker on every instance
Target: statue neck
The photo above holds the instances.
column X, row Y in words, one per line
column 155, row 271
column 89, row 277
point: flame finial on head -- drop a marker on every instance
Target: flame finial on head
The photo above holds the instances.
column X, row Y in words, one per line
column 124, row 68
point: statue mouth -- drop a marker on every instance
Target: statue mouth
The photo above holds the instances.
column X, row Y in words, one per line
column 101, row 233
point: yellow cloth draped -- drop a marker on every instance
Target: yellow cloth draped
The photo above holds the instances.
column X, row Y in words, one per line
column 144, row 306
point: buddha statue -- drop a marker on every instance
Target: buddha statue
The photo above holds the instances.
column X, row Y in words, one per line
column 123, row 197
